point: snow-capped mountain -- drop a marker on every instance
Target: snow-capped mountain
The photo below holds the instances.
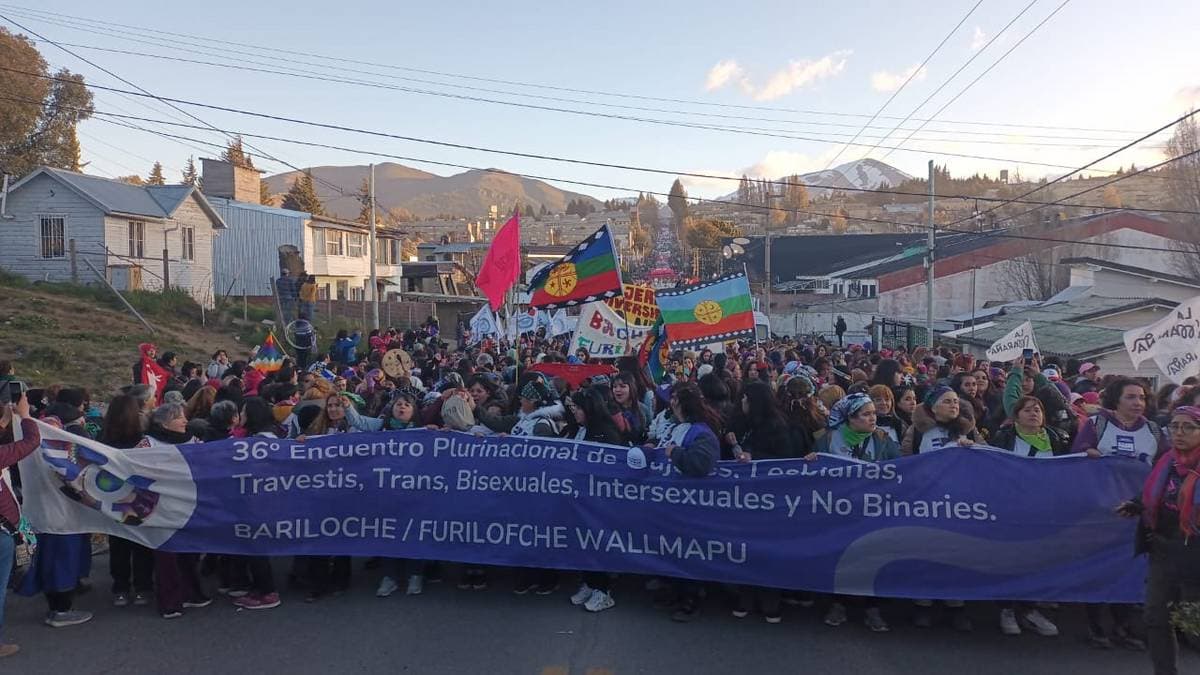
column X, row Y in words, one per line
column 861, row 173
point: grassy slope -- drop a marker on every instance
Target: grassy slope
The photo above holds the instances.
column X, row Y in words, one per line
column 82, row 336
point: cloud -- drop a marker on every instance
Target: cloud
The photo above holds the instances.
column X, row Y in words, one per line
column 1189, row 96
column 722, row 73
column 886, row 81
column 796, row 75
column 777, row 163
column 978, row 39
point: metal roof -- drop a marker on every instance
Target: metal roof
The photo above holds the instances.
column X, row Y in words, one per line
column 1131, row 269
column 1059, row 326
column 117, row 197
column 794, row 256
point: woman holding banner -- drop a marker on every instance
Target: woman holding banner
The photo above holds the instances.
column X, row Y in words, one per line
column 1169, row 508
column 853, row 433
column 590, row 412
column 13, row 414
column 1119, row 429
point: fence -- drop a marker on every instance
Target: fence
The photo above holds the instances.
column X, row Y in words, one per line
column 891, row 334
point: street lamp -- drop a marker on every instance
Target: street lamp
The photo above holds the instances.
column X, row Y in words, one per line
column 771, row 196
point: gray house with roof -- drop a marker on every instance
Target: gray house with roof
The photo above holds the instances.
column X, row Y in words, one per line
column 54, row 222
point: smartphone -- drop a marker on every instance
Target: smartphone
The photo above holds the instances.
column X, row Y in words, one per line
column 1027, row 354
column 15, row 391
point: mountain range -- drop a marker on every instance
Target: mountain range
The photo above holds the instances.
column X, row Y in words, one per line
column 423, row 194
column 861, row 173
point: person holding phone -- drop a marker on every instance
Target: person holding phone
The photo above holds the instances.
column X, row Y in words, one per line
column 14, row 413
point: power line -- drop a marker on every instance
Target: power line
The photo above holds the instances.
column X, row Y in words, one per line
column 1164, row 127
column 981, row 75
column 143, row 91
column 585, row 113
column 544, row 157
column 953, row 75
column 376, row 153
column 34, row 13
column 910, row 77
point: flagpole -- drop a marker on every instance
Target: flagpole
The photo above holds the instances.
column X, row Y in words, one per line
column 747, row 273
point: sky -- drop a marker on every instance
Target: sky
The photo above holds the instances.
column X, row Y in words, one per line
column 803, row 72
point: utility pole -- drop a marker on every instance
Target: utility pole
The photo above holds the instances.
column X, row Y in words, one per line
column 374, row 282
column 767, row 228
column 929, row 255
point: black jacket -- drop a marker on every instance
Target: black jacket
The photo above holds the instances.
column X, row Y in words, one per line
column 772, row 441
column 1005, row 438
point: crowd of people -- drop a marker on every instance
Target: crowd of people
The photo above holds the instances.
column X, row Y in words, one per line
column 785, row 398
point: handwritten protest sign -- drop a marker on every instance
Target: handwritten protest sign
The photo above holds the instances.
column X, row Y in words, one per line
column 604, row 334
column 1010, row 346
column 1176, row 333
column 637, row 305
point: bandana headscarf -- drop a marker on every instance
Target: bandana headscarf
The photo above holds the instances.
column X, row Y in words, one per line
column 844, row 409
column 536, row 390
column 1189, row 410
column 936, row 393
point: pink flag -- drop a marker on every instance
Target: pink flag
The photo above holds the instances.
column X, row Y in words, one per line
column 502, row 264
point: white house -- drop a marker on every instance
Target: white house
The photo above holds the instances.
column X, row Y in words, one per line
column 56, row 222
column 336, row 251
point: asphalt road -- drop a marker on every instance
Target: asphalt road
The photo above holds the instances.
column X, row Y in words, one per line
column 446, row 630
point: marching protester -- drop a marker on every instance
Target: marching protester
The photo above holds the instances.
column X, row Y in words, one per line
column 853, row 433
column 130, row 564
column 15, row 413
column 1169, row 511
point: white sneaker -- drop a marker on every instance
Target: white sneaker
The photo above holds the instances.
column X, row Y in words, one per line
column 416, row 584
column 599, row 601
column 1039, row 623
column 1008, row 622
column 387, row 586
column 582, row 595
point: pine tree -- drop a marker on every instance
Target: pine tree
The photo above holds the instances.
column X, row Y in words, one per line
column 542, row 211
column 264, row 194
column 527, row 211
column 302, row 196
column 364, row 197
column 156, row 175
column 190, row 177
column 236, row 155
column 678, row 202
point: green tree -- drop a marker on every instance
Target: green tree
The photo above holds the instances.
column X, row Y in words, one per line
column 364, row 198
column 156, row 175
column 677, row 201
column 190, row 176
column 542, row 211
column 527, row 211
column 708, row 233
column 264, row 194
column 302, row 196
column 42, row 131
column 235, row 154
column 795, row 199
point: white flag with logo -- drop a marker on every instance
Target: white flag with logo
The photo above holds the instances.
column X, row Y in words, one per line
column 1011, row 345
column 483, row 324
column 561, row 323
column 1175, row 333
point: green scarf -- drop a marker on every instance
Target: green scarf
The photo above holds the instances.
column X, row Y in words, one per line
column 853, row 438
column 1039, row 441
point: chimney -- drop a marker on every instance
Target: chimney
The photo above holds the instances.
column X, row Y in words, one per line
column 222, row 179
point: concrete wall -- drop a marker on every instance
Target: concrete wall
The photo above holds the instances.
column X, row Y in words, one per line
column 1114, row 284
column 20, row 236
column 222, row 179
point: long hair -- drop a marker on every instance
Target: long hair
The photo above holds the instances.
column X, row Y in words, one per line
column 123, row 422
column 763, row 410
column 201, row 403
column 631, row 365
column 635, row 391
column 321, row 423
column 885, row 372
column 1112, row 392
column 693, row 408
column 597, row 416
column 257, row 416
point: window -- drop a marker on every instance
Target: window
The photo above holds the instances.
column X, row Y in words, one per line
column 189, row 243
column 357, row 293
column 343, row 288
column 385, row 251
column 334, row 242
column 355, row 245
column 54, row 237
column 318, row 240
column 137, row 239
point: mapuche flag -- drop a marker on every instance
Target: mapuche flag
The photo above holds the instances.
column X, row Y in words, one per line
column 502, row 265
column 711, row 311
column 587, row 273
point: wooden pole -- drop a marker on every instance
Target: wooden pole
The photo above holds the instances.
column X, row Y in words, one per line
column 118, row 294
column 74, row 261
